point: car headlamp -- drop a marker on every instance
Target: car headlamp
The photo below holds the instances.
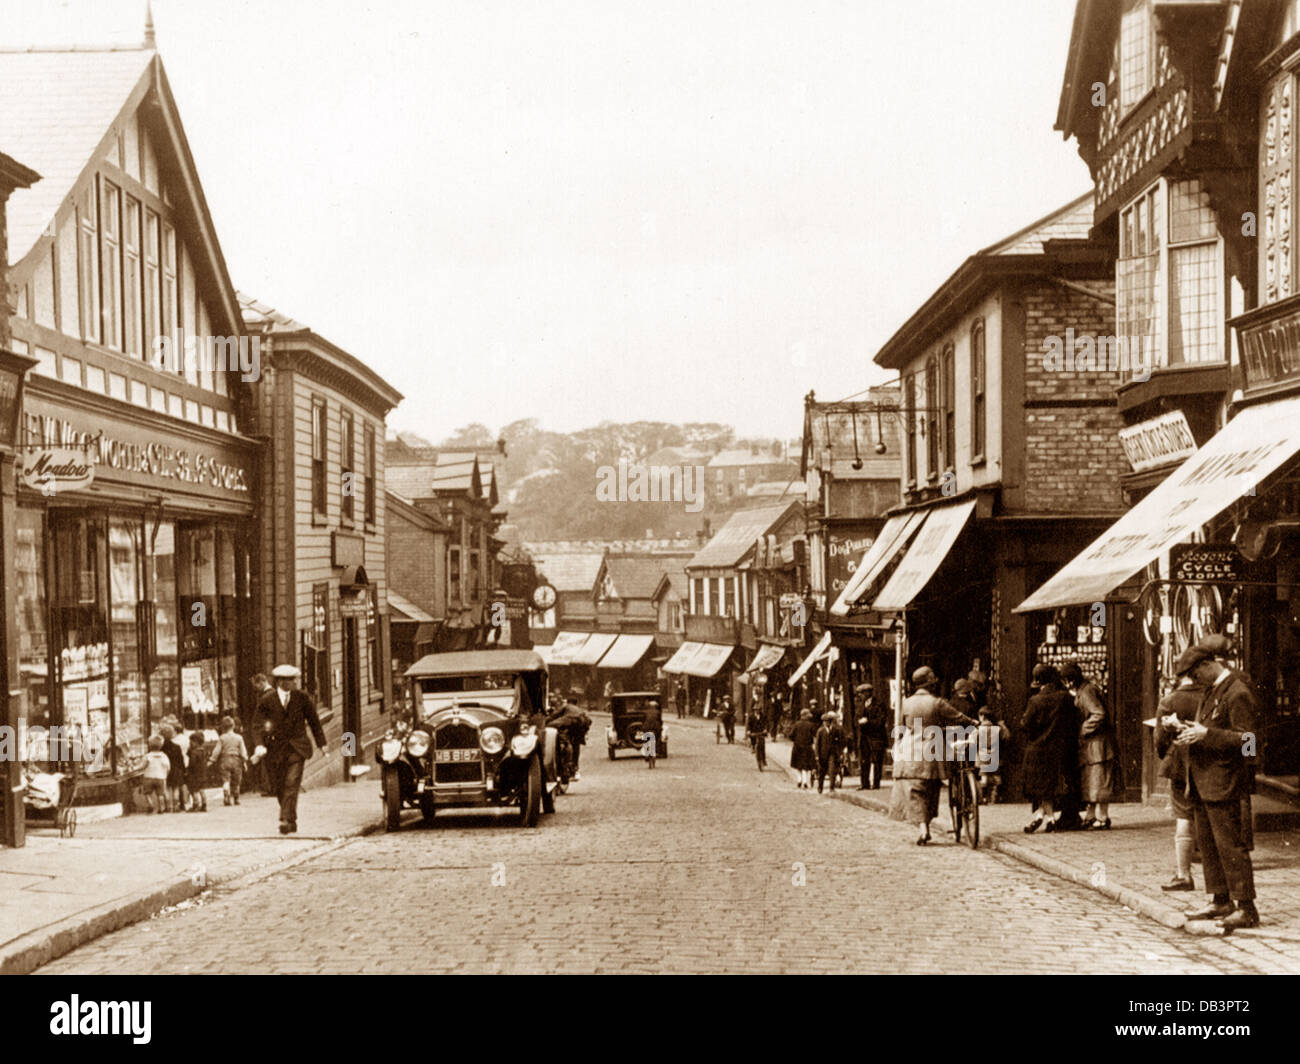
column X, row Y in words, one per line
column 493, row 740
column 417, row 743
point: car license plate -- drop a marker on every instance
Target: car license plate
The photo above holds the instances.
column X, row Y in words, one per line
column 452, row 756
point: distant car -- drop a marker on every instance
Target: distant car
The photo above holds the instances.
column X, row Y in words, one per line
column 472, row 734
column 626, row 729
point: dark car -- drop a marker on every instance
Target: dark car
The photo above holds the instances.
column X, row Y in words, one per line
column 472, row 734
column 626, row 729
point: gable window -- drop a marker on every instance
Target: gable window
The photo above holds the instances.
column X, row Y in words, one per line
column 152, row 279
column 728, row 596
column 347, row 459
column 88, row 263
column 949, row 392
column 110, row 238
column 978, row 385
column 371, row 475
column 1136, row 53
column 169, row 305
column 697, row 595
column 1169, row 278
column 931, row 419
column 318, row 503
column 909, row 416
column 132, row 291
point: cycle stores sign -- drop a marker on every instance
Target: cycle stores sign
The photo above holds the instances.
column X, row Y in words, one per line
column 1201, row 563
column 59, row 455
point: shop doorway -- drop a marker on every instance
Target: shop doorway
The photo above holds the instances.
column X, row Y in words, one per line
column 351, row 696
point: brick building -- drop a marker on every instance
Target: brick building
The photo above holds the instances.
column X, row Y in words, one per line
column 1009, row 458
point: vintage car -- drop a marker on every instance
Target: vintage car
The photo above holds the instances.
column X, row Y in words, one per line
column 625, row 731
column 471, row 734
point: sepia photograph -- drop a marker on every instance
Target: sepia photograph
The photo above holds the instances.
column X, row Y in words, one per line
column 589, row 487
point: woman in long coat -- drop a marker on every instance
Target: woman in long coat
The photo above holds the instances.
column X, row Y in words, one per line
column 920, row 755
column 1099, row 775
column 802, row 758
column 1048, row 730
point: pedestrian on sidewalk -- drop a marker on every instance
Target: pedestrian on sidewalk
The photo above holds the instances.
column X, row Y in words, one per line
column 919, row 762
column 153, row 785
column 873, row 735
column 175, row 770
column 727, row 715
column 1181, row 704
column 228, row 757
column 286, row 714
column 1099, row 767
column 802, row 758
column 991, row 739
column 261, row 772
column 1048, row 728
column 196, row 772
column 1218, row 779
column 756, row 732
column 829, row 747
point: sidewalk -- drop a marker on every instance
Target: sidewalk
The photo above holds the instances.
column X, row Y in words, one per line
column 1127, row 863
column 57, row 894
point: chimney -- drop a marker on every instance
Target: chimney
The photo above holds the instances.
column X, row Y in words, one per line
column 150, row 41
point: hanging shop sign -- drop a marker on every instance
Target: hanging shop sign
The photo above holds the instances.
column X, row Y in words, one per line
column 844, row 553
column 1218, row 563
column 1158, row 441
column 57, row 469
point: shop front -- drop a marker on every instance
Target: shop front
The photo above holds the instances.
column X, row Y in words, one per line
column 133, row 591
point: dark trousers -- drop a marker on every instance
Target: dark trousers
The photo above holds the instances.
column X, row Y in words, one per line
column 729, row 728
column 873, row 763
column 286, row 776
column 1225, row 859
column 827, row 766
column 759, row 742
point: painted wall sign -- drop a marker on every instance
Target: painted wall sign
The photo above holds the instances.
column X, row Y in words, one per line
column 844, row 554
column 59, row 469
column 1158, row 442
column 1219, row 563
column 1270, row 350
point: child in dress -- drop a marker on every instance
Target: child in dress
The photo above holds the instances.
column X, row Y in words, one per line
column 991, row 738
column 228, row 755
column 157, row 765
column 196, row 773
column 176, row 772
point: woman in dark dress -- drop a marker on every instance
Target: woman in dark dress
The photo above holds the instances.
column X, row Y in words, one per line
column 1048, row 729
column 802, row 758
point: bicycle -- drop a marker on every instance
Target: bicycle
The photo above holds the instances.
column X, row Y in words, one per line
column 964, row 794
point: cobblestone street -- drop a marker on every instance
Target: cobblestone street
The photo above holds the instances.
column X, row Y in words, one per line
column 702, row 865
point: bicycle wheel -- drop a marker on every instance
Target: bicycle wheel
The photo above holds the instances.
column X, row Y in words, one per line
column 971, row 789
column 955, row 805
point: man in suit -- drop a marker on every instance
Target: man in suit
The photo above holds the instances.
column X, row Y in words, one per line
column 260, row 774
column 286, row 713
column 1219, row 743
column 873, row 734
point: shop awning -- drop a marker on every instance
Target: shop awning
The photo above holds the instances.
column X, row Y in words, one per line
column 765, row 659
column 932, row 543
column 1253, row 446
column 565, row 646
column 404, row 609
column 594, row 648
column 627, row 651
column 822, row 650
column 684, row 653
column 708, row 660
column 892, row 539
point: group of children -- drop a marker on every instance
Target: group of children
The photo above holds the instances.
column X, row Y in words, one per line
column 179, row 768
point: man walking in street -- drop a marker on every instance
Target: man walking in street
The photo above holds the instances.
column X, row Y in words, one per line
column 829, row 747
column 1219, row 743
column 262, row 778
column 756, row 732
column 286, row 713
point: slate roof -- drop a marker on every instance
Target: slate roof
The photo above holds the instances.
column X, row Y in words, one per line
column 734, row 539
column 1071, row 222
column 743, row 456
column 635, row 576
column 410, row 482
column 570, row 572
column 55, row 109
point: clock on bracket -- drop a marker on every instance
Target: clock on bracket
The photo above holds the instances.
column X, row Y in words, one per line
column 543, row 597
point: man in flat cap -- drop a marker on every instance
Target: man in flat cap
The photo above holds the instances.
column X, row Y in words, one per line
column 873, row 737
column 1219, row 744
column 286, row 713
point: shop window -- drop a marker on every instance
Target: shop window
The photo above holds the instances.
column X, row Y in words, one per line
column 129, row 628
column 196, row 581
column 164, row 642
column 80, row 619
column 318, row 503
column 372, row 476
column 374, row 642
column 347, row 462
column 29, row 603
column 227, row 628
column 978, row 385
column 315, row 650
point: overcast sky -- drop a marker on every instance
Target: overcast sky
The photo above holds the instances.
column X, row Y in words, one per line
column 580, row 211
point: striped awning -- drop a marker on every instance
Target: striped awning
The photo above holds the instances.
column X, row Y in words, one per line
column 627, row 651
column 594, row 648
column 822, row 650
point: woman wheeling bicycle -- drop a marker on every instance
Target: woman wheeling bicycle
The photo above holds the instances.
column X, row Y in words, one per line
column 916, row 798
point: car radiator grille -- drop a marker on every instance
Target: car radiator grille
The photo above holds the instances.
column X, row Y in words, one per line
column 457, row 737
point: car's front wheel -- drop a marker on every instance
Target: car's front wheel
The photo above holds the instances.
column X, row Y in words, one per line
column 530, row 796
column 392, row 799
